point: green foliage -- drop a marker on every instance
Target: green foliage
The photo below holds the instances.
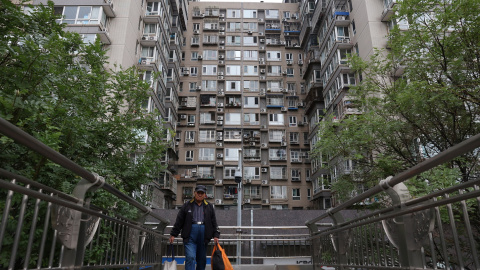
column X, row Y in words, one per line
column 417, row 99
column 58, row 89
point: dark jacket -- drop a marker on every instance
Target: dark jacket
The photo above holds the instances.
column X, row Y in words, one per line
column 185, row 218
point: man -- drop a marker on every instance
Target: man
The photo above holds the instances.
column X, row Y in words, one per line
column 198, row 224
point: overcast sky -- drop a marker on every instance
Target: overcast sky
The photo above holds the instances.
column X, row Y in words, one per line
column 266, row 1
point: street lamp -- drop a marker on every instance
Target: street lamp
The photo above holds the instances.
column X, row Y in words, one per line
column 238, row 180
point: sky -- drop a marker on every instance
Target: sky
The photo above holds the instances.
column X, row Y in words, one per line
column 266, row 1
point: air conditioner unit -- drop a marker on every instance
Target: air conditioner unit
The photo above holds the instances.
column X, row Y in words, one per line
column 219, row 163
column 261, row 34
column 264, row 170
column 262, row 41
column 300, row 62
column 262, row 70
column 219, row 144
column 289, row 62
column 300, row 104
column 287, row 34
column 221, row 16
column 221, row 57
column 220, row 73
column 196, row 32
column 219, row 123
column 283, row 109
column 262, row 89
column 183, row 116
column 247, row 200
column 221, row 93
column 264, row 182
column 199, row 88
column 144, row 38
column 220, row 77
column 305, row 123
column 307, row 179
column 260, row 20
column 219, row 182
column 266, row 201
column 222, row 42
column 252, row 144
column 264, row 145
column 264, row 126
column 261, row 59
column 221, row 62
column 341, row 18
column 218, row 202
column 220, row 104
column 285, row 90
column 264, row 163
column 220, row 110
column 177, row 143
column 220, row 118
column 294, row 17
column 200, row 57
column 284, row 143
column 263, row 110
column 191, row 124
column 284, row 72
column 221, row 28
column 262, row 48
column 221, row 47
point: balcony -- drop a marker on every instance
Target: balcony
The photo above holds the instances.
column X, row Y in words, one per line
column 149, row 40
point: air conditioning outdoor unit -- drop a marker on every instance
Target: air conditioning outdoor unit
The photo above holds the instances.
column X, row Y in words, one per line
column 221, row 62
column 222, row 42
column 177, row 143
column 250, row 32
column 264, row 145
column 264, row 126
column 220, row 118
column 283, row 109
column 219, row 182
column 218, row 202
column 219, row 123
column 246, row 201
column 262, row 41
column 221, row 57
column 221, row 93
column 252, row 144
column 300, row 62
column 220, row 104
column 260, row 34
column 220, row 110
column 221, row 28
column 220, row 73
column 262, row 70
column 260, row 20
column 186, row 72
column 284, row 143
column 284, row 72
column 264, row 170
column 196, row 32
column 183, row 116
column 219, row 144
column 264, row 182
column 263, row 110
column 219, row 163
column 219, row 155
column 266, row 201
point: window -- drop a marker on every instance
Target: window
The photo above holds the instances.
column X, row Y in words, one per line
column 275, row 119
column 251, row 102
column 187, row 192
column 206, row 135
column 249, row 13
column 342, row 32
column 210, row 192
column 229, row 172
column 250, row 26
column 292, row 121
column 209, row 85
column 277, row 154
column 275, row 100
column 296, row 194
column 206, row 154
column 271, row 14
column 190, row 136
column 194, row 71
column 205, row 172
column 234, row 55
column 233, row 13
column 233, row 26
column 210, row 25
column 286, row 14
column 196, row 26
column 191, row 119
column 210, row 54
column 233, row 135
column 194, row 56
column 193, row 86
column 294, row 137
column 251, row 118
column 249, row 41
column 278, row 192
column 210, row 39
column 276, row 135
column 279, row 172
column 274, row 56
column 195, row 40
column 252, row 173
column 232, row 85
column 252, row 86
column 150, row 29
column 209, row 70
column 309, row 194
column 290, row 72
column 233, row 119
column 189, row 155
column 250, row 55
column 250, row 70
column 231, row 154
column 234, row 40
column 295, row 174
column 289, row 56
column 82, row 15
column 274, row 70
column 233, row 69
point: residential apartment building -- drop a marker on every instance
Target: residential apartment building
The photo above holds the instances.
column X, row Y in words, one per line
column 332, row 30
column 145, row 34
column 240, row 82
column 242, row 99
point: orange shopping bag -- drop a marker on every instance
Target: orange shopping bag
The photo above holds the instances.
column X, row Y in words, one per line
column 219, row 259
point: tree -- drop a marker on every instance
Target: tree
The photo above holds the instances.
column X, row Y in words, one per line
column 57, row 89
column 417, row 99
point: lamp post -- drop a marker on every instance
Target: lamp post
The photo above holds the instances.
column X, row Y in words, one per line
column 238, row 180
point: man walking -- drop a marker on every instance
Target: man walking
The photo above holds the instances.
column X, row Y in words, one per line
column 198, row 224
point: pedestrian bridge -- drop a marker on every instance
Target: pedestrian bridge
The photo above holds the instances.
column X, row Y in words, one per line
column 44, row 228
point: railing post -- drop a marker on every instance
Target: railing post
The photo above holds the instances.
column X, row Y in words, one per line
column 76, row 230
column 407, row 232
column 315, row 246
column 340, row 240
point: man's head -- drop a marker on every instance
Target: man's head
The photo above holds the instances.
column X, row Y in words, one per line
column 200, row 191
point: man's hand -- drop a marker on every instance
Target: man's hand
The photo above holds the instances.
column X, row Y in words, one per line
column 215, row 240
column 173, row 238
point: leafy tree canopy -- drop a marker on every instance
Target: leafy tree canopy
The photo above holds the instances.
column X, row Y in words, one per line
column 417, row 99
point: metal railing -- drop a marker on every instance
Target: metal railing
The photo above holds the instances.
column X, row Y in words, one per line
column 436, row 231
column 44, row 228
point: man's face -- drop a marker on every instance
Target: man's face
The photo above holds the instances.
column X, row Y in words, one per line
column 199, row 196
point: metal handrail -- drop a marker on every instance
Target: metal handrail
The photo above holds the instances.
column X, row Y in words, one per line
column 21, row 137
column 447, row 155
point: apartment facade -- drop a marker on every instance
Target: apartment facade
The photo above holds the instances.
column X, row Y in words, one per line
column 242, row 101
column 332, row 30
column 145, row 34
